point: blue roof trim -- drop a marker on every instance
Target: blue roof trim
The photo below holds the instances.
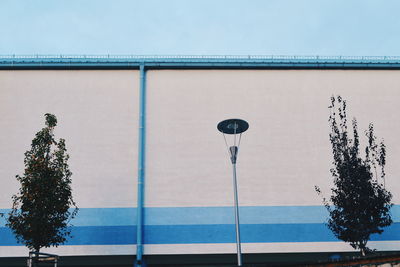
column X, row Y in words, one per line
column 187, row 62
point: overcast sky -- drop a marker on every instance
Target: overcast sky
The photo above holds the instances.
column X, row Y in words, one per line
column 200, row 27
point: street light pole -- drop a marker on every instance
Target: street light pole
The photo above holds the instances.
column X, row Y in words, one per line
column 234, row 127
column 238, row 244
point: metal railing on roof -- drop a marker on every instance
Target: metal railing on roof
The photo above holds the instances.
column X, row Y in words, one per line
column 208, row 57
column 39, row 61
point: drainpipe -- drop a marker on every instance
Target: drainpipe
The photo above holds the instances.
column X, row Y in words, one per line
column 141, row 168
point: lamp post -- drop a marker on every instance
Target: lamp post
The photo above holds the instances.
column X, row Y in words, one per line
column 234, row 127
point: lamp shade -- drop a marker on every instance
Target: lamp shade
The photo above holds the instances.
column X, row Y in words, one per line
column 233, row 126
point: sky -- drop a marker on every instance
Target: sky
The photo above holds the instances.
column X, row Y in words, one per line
column 200, row 27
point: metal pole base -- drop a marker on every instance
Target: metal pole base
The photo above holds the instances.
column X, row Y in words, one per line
column 141, row 263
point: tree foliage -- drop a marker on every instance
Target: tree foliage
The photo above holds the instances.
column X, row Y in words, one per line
column 41, row 209
column 359, row 205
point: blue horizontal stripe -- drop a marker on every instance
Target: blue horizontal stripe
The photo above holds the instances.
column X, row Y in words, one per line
column 225, row 215
column 98, row 217
column 105, row 216
column 86, row 235
column 225, row 233
column 192, row 234
column 203, row 215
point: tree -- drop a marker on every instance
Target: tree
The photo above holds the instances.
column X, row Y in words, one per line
column 359, row 205
column 41, row 209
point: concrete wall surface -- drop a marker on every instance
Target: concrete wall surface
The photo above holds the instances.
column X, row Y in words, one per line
column 188, row 179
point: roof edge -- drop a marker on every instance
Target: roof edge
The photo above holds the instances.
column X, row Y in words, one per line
column 197, row 61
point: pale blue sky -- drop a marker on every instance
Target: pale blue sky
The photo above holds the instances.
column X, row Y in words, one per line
column 206, row 27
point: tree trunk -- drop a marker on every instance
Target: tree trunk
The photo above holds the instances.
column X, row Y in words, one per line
column 36, row 259
column 362, row 251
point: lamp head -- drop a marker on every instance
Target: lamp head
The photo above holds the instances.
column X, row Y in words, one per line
column 233, row 126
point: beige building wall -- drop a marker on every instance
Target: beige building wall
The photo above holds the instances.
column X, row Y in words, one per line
column 283, row 155
column 97, row 114
column 286, row 150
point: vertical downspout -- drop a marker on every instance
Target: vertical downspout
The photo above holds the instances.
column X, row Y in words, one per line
column 141, row 168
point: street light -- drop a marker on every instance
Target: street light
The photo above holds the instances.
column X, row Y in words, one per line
column 234, row 127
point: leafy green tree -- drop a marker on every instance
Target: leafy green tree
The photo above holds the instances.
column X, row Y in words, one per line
column 41, row 209
column 359, row 205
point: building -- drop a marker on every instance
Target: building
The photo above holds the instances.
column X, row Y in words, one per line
column 153, row 119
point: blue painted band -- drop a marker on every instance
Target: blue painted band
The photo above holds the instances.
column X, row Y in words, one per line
column 225, row 215
column 251, row 233
column 98, row 217
column 86, row 235
column 203, row 215
column 195, row 234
